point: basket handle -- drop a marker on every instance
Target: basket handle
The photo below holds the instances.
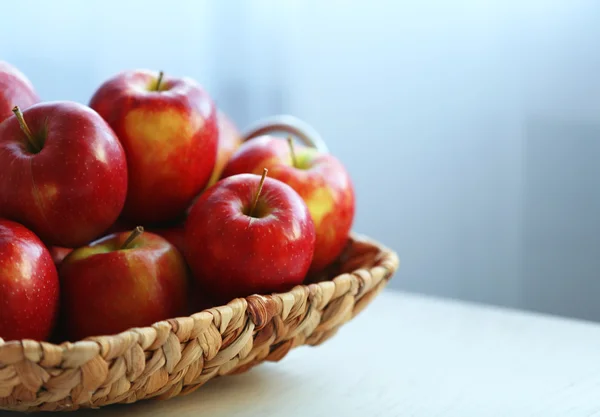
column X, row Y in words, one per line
column 289, row 125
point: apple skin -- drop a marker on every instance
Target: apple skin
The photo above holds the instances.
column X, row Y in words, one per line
column 234, row 255
column 170, row 139
column 321, row 180
column 230, row 140
column 197, row 299
column 15, row 90
column 175, row 235
column 29, row 287
column 59, row 253
column 107, row 290
column 71, row 191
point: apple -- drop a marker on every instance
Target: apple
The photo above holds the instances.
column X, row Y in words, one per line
column 15, row 90
column 200, row 300
column 58, row 254
column 168, row 127
column 172, row 232
column 197, row 299
column 175, row 235
column 230, row 139
column 29, row 288
column 120, row 281
column 64, row 172
column 248, row 234
column 320, row 179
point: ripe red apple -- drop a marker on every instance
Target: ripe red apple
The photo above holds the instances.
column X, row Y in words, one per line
column 123, row 280
column 58, row 254
column 175, row 235
column 15, row 90
column 29, row 289
column 64, row 172
column 200, row 300
column 168, row 127
column 320, row 179
column 230, row 139
column 248, row 234
column 197, row 299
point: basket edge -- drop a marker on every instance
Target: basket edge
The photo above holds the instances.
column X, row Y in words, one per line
column 74, row 354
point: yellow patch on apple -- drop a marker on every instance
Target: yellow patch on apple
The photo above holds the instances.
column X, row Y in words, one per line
column 320, row 203
column 167, row 128
column 49, row 192
column 86, row 252
column 24, row 269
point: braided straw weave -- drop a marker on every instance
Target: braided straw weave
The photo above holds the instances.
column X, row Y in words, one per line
column 175, row 357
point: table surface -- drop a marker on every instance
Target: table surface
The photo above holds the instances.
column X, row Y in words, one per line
column 410, row 355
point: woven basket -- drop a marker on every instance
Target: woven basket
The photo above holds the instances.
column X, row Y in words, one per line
column 175, row 357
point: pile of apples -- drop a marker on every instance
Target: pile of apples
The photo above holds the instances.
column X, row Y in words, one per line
column 146, row 204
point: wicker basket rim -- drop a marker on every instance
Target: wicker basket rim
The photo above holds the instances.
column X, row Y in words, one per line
column 75, row 353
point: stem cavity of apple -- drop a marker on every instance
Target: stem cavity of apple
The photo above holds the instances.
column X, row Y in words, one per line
column 290, row 142
column 35, row 146
column 132, row 236
column 257, row 196
column 159, row 81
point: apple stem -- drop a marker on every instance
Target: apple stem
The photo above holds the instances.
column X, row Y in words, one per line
column 132, row 236
column 260, row 187
column 160, row 78
column 290, row 141
column 17, row 111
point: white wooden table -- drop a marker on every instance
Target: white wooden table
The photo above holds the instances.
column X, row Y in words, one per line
column 408, row 355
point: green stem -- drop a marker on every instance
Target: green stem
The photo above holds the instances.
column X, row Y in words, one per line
column 36, row 147
column 133, row 236
column 160, row 78
column 260, row 187
column 292, row 151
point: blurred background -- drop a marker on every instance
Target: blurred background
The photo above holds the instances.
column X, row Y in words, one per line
column 471, row 128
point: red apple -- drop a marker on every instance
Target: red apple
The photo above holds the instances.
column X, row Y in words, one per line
column 29, row 289
column 230, row 139
column 59, row 253
column 175, row 235
column 168, row 127
column 64, row 172
column 15, row 90
column 121, row 281
column 200, row 300
column 320, row 179
column 197, row 299
column 118, row 227
column 247, row 235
